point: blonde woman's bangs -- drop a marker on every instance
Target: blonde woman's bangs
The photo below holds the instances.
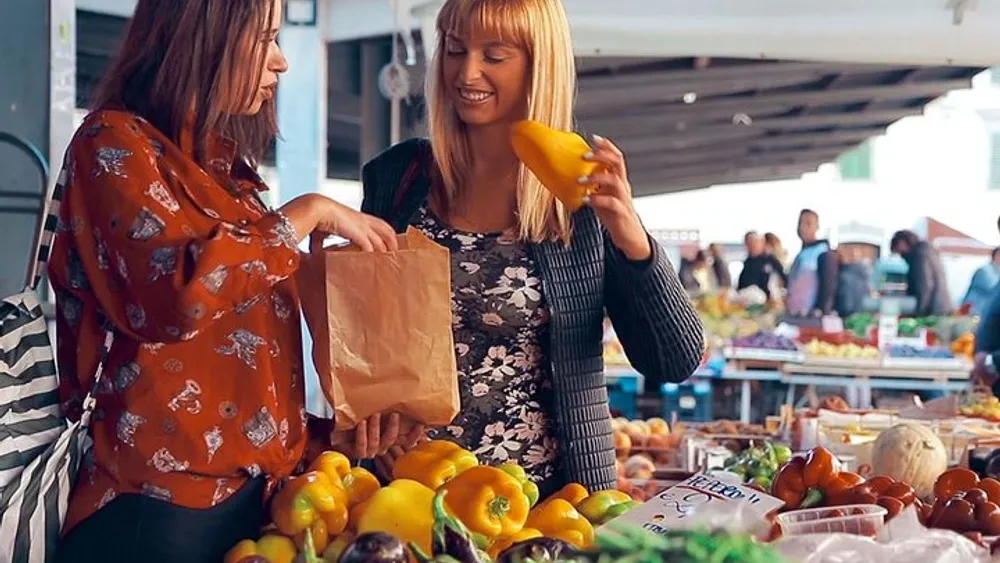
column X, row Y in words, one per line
column 506, row 20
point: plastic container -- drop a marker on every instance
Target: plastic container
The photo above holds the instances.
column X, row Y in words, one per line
column 857, row 519
column 691, row 401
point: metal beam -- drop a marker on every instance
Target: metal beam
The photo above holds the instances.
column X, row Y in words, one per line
column 812, row 157
column 663, row 181
column 761, row 104
column 637, row 139
column 732, row 153
column 777, row 143
column 804, row 72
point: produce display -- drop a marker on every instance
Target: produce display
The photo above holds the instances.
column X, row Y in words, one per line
column 907, row 351
column 652, row 437
column 758, row 465
column 982, row 407
column 764, row 340
column 849, row 351
column 442, row 503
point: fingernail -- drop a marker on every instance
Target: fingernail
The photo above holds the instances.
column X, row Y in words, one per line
column 597, row 137
column 583, row 179
column 586, row 200
column 588, row 156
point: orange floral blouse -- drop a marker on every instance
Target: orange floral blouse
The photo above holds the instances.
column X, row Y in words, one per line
column 203, row 387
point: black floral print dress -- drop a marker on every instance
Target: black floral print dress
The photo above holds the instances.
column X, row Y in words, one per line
column 500, row 324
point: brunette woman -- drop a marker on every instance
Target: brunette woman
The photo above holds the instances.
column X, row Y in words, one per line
column 530, row 281
column 164, row 236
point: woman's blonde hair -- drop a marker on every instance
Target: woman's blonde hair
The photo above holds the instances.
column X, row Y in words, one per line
column 540, row 28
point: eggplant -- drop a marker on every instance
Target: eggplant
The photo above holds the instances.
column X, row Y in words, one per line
column 375, row 547
column 537, row 550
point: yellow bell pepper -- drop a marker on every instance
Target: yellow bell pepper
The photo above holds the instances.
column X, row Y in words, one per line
column 434, row 463
column 488, row 500
column 402, row 509
column 529, row 487
column 360, row 485
column 307, row 498
column 274, row 548
column 556, row 518
column 333, row 551
column 603, row 506
column 573, row 493
column 500, row 545
column 334, row 465
column 319, row 534
column 556, row 158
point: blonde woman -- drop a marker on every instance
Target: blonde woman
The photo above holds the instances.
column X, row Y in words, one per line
column 530, row 281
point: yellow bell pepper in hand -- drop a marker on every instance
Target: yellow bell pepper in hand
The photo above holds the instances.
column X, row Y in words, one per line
column 556, row 518
column 307, row 498
column 604, row 506
column 402, row 509
column 488, row 500
column 274, row 548
column 360, row 485
column 434, row 463
column 529, row 487
column 500, row 545
column 556, row 159
column 573, row 493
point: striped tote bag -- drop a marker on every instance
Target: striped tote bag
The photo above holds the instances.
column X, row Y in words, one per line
column 40, row 454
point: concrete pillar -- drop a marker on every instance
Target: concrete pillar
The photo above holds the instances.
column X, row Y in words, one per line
column 37, row 98
column 301, row 151
column 375, row 108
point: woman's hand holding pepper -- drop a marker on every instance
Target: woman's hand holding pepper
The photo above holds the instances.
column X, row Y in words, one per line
column 612, row 202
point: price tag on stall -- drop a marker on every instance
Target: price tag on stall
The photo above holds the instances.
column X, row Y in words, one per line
column 700, row 493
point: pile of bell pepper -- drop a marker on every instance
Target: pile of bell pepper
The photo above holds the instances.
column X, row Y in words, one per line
column 816, row 479
column 965, row 503
column 317, row 515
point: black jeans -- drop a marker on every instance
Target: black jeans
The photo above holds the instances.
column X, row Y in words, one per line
column 140, row 529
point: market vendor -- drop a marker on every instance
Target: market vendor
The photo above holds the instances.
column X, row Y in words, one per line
column 163, row 235
column 530, row 281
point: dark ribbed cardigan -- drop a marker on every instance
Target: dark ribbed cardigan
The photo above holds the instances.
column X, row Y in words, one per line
column 653, row 318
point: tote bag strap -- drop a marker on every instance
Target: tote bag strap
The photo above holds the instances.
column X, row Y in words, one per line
column 90, row 401
column 49, row 221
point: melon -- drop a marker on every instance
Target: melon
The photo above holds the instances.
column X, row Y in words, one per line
column 911, row 453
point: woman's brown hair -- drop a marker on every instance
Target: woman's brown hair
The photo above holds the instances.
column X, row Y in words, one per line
column 180, row 65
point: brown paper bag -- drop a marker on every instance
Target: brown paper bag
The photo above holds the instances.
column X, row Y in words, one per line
column 381, row 329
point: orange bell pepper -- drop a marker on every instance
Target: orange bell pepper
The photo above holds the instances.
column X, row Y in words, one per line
column 488, row 500
column 820, row 467
column 556, row 518
column 955, row 481
column 360, row 485
column 573, row 493
column 500, row 545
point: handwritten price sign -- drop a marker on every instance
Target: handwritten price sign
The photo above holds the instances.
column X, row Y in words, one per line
column 686, row 500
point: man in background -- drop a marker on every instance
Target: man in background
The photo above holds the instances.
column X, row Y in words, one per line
column 925, row 280
column 812, row 270
column 984, row 371
column 983, row 285
column 759, row 266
